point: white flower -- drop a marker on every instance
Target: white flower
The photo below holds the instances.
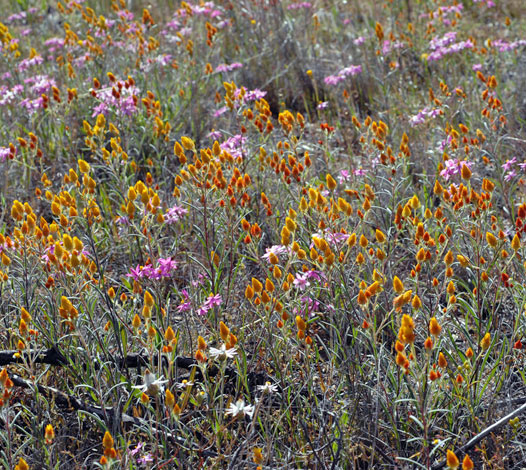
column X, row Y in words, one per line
column 239, row 409
column 184, row 384
column 268, row 388
column 222, row 354
column 151, row 385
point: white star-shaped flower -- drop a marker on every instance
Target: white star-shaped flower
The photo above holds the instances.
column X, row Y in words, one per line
column 222, row 354
column 151, row 385
column 239, row 409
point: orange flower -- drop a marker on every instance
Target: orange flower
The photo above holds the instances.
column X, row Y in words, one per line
column 417, row 303
column 300, row 323
column 331, row 183
column 434, row 327
column 49, row 434
column 452, row 460
column 467, row 463
column 22, row 465
column 362, row 299
column 406, row 333
column 380, row 236
column 223, row 331
column 401, row 359
column 107, row 441
column 428, row 344
column 442, row 363
column 201, row 343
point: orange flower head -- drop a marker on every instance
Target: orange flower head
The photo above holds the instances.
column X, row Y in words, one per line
column 452, row 460
column 107, row 441
column 49, row 434
column 467, row 463
column 434, row 327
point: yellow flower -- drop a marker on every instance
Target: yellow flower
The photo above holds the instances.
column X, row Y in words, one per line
column 84, row 166
column 486, row 341
column 380, row 236
column 49, row 434
column 398, row 285
column 406, row 333
column 148, row 299
column 491, row 239
column 188, row 143
column 258, row 455
column 169, row 334
column 516, row 242
column 331, row 183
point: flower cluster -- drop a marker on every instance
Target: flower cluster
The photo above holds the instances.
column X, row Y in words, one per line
column 164, row 269
column 343, row 74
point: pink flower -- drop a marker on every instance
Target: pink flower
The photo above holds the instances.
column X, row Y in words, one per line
column 174, row 214
column 301, row 281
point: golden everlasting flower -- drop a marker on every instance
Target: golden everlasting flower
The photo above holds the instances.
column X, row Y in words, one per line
column 398, row 285
column 434, row 327
column 486, row 341
column 49, row 434
column 467, row 463
column 452, row 460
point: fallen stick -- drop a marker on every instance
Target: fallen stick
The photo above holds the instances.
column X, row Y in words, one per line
column 53, row 356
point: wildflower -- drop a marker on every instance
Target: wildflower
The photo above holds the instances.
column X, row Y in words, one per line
column 452, row 460
column 258, row 455
column 491, row 239
column 406, row 333
column 434, row 327
column 151, row 385
column 222, row 354
column 107, row 444
column 49, row 434
column 428, row 344
column 343, row 74
column 184, row 384
column 467, row 463
column 239, row 409
column 268, row 388
column 301, row 281
column 359, row 40
column 145, row 459
column 166, row 266
column 486, row 341
column 228, row 68
column 174, row 214
column 22, row 465
column 398, row 286
column 210, row 302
